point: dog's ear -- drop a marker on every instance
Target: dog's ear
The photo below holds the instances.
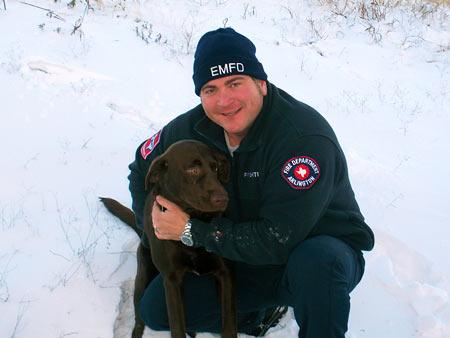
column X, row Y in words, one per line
column 156, row 171
column 223, row 166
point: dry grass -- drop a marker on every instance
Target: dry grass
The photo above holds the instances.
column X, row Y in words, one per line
column 380, row 18
column 392, row 3
column 440, row 2
column 377, row 10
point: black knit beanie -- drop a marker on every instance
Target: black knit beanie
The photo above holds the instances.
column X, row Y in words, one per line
column 225, row 52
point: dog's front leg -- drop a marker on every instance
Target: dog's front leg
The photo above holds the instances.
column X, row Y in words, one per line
column 173, row 286
column 227, row 297
column 146, row 272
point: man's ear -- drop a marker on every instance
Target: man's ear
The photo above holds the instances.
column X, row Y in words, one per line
column 223, row 166
column 262, row 86
column 157, row 170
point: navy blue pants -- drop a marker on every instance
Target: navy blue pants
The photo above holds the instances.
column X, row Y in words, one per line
column 316, row 282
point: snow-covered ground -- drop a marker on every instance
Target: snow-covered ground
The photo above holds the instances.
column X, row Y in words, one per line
column 75, row 104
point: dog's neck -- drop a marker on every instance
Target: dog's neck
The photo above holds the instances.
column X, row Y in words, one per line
column 203, row 216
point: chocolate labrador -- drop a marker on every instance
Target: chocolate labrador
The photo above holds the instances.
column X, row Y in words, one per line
column 190, row 175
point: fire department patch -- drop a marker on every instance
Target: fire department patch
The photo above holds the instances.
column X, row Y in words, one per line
column 150, row 145
column 301, row 172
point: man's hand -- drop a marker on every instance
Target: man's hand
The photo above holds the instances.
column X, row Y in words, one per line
column 170, row 223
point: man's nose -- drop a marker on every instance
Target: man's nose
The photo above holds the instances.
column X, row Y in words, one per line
column 224, row 98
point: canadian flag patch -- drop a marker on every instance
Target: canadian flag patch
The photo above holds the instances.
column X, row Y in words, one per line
column 301, row 172
column 150, row 145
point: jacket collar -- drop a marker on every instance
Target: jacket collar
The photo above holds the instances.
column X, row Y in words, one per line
column 213, row 132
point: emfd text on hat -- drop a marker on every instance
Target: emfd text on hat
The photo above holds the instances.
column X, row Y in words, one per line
column 227, row 68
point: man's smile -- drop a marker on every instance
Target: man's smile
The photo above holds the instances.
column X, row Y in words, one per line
column 232, row 113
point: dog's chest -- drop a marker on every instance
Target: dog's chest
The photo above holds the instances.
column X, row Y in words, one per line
column 199, row 261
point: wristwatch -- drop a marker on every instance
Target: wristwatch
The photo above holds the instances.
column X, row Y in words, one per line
column 186, row 236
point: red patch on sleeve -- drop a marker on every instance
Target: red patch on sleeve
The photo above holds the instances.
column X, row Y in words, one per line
column 150, row 145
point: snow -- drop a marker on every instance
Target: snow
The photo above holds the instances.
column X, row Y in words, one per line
column 74, row 108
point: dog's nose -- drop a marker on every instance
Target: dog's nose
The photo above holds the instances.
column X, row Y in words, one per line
column 220, row 200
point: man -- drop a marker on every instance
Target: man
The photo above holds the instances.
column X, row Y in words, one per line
column 292, row 226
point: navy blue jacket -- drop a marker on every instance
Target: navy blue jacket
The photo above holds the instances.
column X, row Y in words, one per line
column 289, row 181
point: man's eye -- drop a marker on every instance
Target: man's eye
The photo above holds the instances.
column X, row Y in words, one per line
column 208, row 91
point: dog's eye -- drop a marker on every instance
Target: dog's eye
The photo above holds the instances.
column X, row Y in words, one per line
column 214, row 167
column 193, row 171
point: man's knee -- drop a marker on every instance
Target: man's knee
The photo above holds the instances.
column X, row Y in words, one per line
column 319, row 276
column 152, row 306
column 155, row 320
column 312, row 255
column 321, row 260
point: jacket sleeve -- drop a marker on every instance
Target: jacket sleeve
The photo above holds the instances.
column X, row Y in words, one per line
column 286, row 216
column 138, row 171
column 145, row 154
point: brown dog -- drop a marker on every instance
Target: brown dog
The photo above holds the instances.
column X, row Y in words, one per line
column 189, row 174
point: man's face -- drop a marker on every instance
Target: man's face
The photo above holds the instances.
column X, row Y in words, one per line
column 233, row 102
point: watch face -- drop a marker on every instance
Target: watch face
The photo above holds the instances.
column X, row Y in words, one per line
column 187, row 240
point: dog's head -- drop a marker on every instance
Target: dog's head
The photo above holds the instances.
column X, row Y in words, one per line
column 190, row 174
